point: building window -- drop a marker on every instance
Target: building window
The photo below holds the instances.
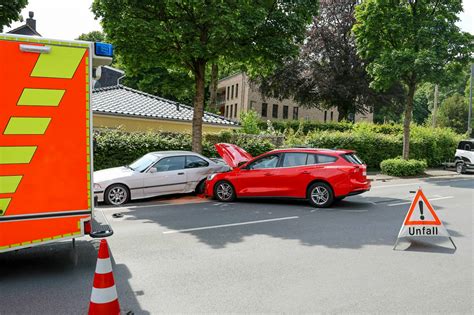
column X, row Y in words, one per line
column 285, row 112
column 236, row 90
column 264, row 109
column 228, row 92
column 325, row 115
column 226, row 111
column 252, row 105
column 232, row 93
column 332, row 115
column 275, row 111
column 231, row 110
column 235, row 111
column 295, row 113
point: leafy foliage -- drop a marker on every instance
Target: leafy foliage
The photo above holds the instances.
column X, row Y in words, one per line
column 400, row 167
column 412, row 42
column 186, row 36
column 10, row 11
column 435, row 145
column 453, row 113
column 94, row 36
column 328, row 72
column 249, row 121
column 116, row 148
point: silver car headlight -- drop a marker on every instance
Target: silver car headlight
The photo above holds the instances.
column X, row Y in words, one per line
column 97, row 187
column 210, row 177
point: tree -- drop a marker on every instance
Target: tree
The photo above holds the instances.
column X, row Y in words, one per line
column 453, row 113
column 94, row 36
column 10, row 12
column 328, row 73
column 189, row 35
column 410, row 41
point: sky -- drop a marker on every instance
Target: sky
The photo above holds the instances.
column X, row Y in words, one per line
column 67, row 19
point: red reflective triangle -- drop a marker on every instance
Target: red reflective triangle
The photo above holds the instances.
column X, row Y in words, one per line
column 416, row 220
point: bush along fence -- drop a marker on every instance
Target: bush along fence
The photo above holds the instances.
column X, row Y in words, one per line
column 435, row 146
column 113, row 147
column 373, row 143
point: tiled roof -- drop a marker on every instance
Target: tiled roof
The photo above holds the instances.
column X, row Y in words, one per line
column 125, row 101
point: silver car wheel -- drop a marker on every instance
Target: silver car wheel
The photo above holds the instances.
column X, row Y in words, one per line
column 117, row 195
column 320, row 195
column 224, row 191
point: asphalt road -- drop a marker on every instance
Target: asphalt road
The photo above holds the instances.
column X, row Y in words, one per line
column 268, row 256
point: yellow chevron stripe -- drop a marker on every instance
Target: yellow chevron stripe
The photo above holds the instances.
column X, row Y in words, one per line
column 16, row 155
column 27, row 126
column 4, row 202
column 61, row 62
column 40, row 97
column 9, row 184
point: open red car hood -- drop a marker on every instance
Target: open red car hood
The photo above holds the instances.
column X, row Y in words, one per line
column 232, row 154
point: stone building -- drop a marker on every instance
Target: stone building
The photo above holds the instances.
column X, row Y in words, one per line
column 235, row 95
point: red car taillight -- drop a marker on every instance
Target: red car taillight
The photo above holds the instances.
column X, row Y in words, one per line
column 87, row 227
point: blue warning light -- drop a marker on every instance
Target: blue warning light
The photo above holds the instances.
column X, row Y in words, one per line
column 104, row 49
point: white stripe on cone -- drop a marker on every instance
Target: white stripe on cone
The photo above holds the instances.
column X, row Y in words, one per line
column 101, row 296
column 103, row 266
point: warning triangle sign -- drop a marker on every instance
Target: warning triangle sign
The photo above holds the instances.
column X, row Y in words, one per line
column 421, row 212
column 421, row 220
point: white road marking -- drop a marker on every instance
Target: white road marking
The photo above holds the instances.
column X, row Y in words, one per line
column 355, row 210
column 422, row 183
column 397, row 185
column 408, row 202
column 230, row 224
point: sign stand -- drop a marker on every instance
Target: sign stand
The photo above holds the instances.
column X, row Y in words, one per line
column 423, row 222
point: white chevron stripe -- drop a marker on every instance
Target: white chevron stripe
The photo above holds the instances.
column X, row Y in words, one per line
column 101, row 296
column 103, row 266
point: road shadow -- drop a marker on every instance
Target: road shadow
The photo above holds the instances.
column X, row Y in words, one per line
column 56, row 279
column 352, row 223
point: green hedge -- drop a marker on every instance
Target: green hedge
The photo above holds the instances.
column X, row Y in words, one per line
column 344, row 126
column 433, row 145
column 400, row 167
column 374, row 143
column 115, row 148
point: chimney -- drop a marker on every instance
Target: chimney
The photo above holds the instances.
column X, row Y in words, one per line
column 30, row 21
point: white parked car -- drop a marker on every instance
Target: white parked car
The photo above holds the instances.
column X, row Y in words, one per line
column 155, row 174
column 464, row 156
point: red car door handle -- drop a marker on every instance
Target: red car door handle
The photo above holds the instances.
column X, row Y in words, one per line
column 268, row 174
column 305, row 172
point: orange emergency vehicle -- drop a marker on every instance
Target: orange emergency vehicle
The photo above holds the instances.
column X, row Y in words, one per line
column 45, row 139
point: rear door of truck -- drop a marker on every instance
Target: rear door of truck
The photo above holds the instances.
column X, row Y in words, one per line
column 45, row 141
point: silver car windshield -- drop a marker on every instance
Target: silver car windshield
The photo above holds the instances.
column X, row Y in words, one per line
column 143, row 163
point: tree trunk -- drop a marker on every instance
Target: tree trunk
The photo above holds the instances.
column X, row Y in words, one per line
column 342, row 113
column 407, row 121
column 213, row 92
column 199, row 76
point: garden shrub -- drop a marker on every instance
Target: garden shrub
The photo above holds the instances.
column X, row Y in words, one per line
column 400, row 167
column 373, row 143
column 433, row 145
column 114, row 147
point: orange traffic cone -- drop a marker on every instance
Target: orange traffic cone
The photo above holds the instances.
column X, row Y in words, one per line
column 104, row 298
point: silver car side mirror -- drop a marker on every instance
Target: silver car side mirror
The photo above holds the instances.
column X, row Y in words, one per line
column 153, row 170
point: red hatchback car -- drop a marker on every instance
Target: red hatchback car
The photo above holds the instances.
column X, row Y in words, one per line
column 318, row 175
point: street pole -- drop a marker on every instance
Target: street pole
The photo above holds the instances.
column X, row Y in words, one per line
column 469, row 117
column 435, row 105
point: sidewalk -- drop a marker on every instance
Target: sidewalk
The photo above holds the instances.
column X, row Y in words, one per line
column 434, row 172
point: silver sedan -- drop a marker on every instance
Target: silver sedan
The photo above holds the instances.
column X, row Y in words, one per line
column 155, row 174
